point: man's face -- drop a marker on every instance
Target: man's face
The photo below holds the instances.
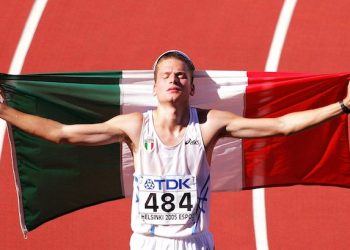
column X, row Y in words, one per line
column 173, row 81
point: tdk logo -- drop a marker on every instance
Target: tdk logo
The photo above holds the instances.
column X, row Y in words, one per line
column 149, row 184
column 172, row 184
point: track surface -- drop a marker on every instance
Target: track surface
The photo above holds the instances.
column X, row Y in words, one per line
column 233, row 35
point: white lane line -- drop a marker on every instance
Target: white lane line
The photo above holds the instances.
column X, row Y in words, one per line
column 259, row 217
column 27, row 36
column 279, row 37
column 272, row 62
column 16, row 68
column 22, row 49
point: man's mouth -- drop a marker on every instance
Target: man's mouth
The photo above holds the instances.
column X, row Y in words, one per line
column 173, row 89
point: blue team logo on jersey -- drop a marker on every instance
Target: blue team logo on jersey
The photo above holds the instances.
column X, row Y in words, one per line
column 149, row 184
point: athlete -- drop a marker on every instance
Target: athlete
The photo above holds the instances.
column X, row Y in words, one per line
column 172, row 147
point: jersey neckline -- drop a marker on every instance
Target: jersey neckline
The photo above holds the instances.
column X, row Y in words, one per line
column 160, row 140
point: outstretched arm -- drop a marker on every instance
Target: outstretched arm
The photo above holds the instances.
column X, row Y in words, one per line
column 116, row 129
column 284, row 125
column 236, row 126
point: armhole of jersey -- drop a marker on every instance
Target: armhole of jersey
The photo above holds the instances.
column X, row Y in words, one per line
column 194, row 113
column 144, row 115
column 198, row 127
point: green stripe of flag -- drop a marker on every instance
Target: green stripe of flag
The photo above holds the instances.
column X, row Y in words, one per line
column 57, row 179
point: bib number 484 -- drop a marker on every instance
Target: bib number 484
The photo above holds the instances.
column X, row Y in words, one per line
column 167, row 203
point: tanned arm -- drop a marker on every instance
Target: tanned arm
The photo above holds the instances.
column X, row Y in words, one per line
column 117, row 129
column 228, row 124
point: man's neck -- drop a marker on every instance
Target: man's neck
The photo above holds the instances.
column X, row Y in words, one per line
column 172, row 118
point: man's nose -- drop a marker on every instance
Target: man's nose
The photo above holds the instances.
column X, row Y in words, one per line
column 173, row 77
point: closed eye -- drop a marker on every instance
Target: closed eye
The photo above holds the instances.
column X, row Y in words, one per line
column 181, row 75
column 165, row 76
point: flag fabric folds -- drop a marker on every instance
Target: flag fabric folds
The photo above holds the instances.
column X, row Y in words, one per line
column 315, row 156
column 56, row 179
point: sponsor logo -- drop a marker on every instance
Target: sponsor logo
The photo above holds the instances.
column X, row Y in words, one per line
column 172, row 184
column 149, row 184
column 192, row 141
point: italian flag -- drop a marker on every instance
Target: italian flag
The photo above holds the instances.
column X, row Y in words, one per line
column 53, row 180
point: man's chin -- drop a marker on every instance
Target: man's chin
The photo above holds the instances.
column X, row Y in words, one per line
column 172, row 100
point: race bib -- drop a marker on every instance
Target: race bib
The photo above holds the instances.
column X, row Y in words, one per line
column 170, row 200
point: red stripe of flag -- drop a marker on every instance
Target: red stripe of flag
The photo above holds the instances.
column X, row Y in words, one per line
column 315, row 156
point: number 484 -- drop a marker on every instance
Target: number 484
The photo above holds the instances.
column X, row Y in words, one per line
column 167, row 204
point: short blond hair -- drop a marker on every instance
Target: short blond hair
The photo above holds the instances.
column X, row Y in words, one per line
column 174, row 54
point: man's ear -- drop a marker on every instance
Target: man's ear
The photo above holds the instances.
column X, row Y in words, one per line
column 192, row 89
column 154, row 89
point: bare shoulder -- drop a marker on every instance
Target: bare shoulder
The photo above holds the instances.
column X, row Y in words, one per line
column 135, row 117
column 213, row 124
column 129, row 124
column 214, row 117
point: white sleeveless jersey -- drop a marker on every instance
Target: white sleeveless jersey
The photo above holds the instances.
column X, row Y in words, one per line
column 171, row 183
